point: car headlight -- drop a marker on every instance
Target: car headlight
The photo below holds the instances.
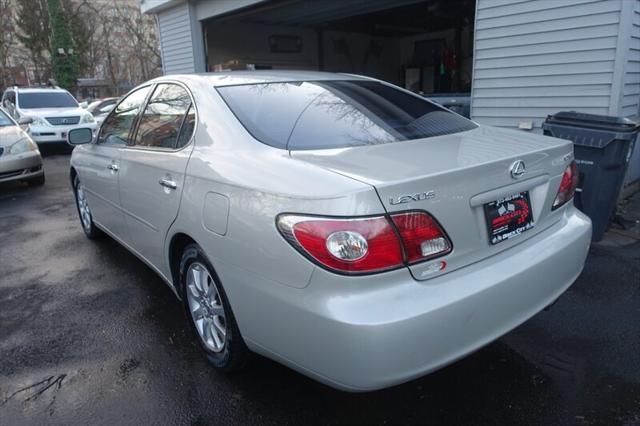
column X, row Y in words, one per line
column 87, row 118
column 37, row 121
column 23, row 145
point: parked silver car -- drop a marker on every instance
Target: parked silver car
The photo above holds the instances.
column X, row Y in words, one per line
column 101, row 107
column 342, row 226
column 20, row 158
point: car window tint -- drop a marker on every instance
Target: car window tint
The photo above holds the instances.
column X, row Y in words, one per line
column 160, row 123
column 187, row 128
column 337, row 114
column 118, row 124
column 29, row 100
column 5, row 120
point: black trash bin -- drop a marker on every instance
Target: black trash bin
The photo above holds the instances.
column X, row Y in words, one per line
column 602, row 147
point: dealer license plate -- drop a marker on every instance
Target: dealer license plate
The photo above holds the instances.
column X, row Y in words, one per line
column 508, row 217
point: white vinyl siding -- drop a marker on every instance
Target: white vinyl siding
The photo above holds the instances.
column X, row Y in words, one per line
column 630, row 104
column 176, row 40
column 537, row 57
column 630, row 100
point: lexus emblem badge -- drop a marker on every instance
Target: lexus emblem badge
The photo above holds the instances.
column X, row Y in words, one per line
column 517, row 169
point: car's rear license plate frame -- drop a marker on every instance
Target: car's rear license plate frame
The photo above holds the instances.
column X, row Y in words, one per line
column 508, row 217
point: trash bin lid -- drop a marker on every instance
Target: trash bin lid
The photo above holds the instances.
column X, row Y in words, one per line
column 593, row 121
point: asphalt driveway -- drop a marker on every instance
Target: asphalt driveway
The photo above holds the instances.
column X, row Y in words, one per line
column 88, row 334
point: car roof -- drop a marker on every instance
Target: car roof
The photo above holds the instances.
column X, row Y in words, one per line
column 41, row 89
column 230, row 78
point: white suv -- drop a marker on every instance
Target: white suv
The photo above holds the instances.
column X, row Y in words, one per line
column 54, row 112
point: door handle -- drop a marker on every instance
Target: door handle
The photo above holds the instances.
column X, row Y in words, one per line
column 168, row 183
column 113, row 167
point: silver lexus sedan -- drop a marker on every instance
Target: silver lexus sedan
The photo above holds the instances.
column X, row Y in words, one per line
column 340, row 225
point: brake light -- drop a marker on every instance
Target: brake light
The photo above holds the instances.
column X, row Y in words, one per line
column 365, row 245
column 422, row 237
column 346, row 245
column 568, row 185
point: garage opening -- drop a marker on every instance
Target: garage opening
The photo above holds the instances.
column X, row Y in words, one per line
column 424, row 46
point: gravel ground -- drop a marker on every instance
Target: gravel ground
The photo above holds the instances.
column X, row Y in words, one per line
column 88, row 334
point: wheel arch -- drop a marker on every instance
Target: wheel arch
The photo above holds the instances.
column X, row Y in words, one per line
column 72, row 176
column 177, row 244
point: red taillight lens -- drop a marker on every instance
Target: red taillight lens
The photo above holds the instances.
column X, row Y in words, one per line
column 421, row 235
column 346, row 245
column 568, row 185
column 365, row 245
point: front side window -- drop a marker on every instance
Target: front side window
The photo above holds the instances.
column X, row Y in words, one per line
column 46, row 100
column 336, row 114
column 117, row 126
column 5, row 120
column 163, row 117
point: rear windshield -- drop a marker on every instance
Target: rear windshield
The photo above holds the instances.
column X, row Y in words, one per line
column 46, row 100
column 336, row 114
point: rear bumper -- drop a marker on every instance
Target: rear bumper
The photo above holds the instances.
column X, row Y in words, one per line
column 366, row 333
column 21, row 166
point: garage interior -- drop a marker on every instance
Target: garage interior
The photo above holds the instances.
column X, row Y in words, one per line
column 424, row 46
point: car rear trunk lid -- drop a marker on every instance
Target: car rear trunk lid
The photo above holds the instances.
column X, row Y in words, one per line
column 452, row 177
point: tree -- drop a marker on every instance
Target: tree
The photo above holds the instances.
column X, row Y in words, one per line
column 141, row 30
column 64, row 61
column 86, row 47
column 7, row 41
column 34, row 34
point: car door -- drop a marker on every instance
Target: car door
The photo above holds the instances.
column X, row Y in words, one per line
column 99, row 163
column 153, row 167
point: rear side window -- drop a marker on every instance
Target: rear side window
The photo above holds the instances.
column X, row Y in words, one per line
column 117, row 126
column 187, row 128
column 162, row 119
column 336, row 114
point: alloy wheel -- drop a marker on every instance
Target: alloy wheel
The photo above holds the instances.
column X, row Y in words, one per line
column 83, row 207
column 206, row 307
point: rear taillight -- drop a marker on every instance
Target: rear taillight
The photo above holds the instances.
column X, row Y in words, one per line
column 422, row 237
column 568, row 186
column 345, row 245
column 365, row 245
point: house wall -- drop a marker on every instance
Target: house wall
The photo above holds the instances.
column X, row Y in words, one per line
column 630, row 102
column 537, row 57
column 630, row 90
column 181, row 41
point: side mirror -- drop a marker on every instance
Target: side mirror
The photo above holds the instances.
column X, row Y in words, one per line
column 84, row 105
column 79, row 136
column 25, row 121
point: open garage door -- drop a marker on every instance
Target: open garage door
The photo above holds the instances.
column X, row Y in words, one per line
column 424, row 46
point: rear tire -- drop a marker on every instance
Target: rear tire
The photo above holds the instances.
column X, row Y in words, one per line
column 209, row 313
column 37, row 181
column 84, row 212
